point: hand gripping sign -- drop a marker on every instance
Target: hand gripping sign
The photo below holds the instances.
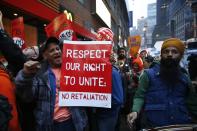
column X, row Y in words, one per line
column 86, row 74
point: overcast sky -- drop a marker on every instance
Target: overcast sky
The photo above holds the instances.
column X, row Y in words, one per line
column 139, row 8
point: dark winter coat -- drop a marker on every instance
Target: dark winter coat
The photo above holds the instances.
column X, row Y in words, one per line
column 39, row 89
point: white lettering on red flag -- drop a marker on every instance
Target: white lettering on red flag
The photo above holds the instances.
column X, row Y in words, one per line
column 18, row 32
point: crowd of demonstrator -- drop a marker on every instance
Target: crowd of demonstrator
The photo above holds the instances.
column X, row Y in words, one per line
column 146, row 92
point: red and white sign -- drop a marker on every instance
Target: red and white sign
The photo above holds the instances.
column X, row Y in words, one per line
column 61, row 28
column 18, row 32
column 86, row 74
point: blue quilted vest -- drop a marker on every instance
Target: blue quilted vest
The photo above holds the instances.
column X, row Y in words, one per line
column 164, row 102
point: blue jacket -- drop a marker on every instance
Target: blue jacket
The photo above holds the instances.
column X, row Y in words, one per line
column 117, row 87
column 39, row 89
column 117, row 95
column 165, row 102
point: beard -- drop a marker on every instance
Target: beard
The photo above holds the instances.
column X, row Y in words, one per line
column 170, row 70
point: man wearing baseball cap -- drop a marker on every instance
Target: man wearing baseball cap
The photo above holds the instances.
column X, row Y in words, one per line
column 41, row 84
column 162, row 90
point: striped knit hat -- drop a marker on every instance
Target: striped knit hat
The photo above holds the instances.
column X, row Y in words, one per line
column 104, row 33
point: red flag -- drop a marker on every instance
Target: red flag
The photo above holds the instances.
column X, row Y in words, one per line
column 61, row 28
column 18, row 33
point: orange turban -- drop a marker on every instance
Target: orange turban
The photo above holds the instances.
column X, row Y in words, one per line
column 174, row 42
column 139, row 62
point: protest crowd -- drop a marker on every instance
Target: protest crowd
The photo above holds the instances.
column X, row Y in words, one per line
column 136, row 89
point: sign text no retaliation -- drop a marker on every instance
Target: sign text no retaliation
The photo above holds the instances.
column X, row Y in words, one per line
column 85, row 96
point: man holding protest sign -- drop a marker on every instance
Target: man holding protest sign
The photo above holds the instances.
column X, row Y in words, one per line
column 44, row 90
column 15, row 60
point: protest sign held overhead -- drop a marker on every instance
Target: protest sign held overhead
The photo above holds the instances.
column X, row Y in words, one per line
column 18, row 33
column 134, row 44
column 61, row 28
column 86, row 74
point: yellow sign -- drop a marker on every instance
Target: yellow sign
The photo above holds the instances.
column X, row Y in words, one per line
column 134, row 44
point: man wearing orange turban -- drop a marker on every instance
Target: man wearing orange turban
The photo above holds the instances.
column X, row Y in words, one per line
column 174, row 42
column 162, row 90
